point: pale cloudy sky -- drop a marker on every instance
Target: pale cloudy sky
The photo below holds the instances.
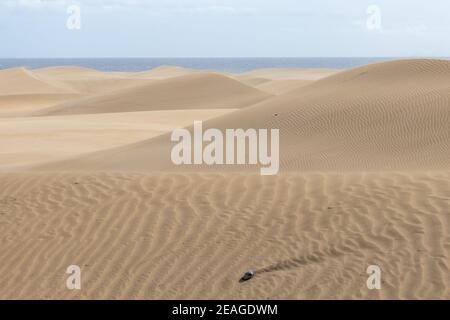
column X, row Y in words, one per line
column 224, row 28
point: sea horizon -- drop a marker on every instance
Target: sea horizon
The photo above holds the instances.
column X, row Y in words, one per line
column 226, row 64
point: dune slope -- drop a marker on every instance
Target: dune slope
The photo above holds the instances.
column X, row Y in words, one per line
column 196, row 91
column 20, row 81
column 387, row 116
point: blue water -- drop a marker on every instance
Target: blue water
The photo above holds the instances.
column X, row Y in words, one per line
column 220, row 64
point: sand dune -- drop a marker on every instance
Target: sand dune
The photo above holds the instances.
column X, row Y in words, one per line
column 365, row 180
column 22, row 91
column 387, row 116
column 31, row 140
column 196, row 91
column 191, row 236
column 278, row 87
column 289, row 73
column 49, row 86
column 68, row 72
column 22, row 81
column 165, row 72
column 88, row 81
column 25, row 104
column 282, row 80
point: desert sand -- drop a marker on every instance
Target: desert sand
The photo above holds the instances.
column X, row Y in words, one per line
column 86, row 179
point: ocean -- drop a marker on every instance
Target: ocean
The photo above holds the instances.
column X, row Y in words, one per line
column 220, row 64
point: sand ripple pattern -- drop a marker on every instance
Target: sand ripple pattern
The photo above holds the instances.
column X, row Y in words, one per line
column 192, row 235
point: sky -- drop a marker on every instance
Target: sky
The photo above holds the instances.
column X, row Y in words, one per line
column 224, row 28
